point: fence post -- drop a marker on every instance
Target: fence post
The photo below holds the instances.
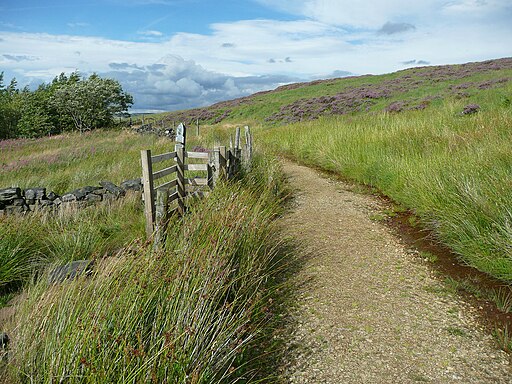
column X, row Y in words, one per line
column 223, row 162
column 197, row 127
column 210, row 173
column 247, row 156
column 180, row 176
column 161, row 216
column 181, row 134
column 215, row 159
column 149, row 201
column 237, row 153
column 237, row 138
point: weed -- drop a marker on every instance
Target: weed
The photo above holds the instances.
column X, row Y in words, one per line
column 430, row 257
column 455, row 331
column 503, row 338
column 503, row 298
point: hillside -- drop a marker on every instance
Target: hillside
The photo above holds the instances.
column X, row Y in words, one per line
column 410, row 89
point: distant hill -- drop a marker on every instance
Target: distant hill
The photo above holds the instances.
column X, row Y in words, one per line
column 415, row 88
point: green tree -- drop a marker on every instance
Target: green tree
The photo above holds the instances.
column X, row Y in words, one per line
column 9, row 111
column 35, row 120
column 91, row 103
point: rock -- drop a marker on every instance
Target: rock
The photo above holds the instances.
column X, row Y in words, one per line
column 4, row 340
column 52, row 196
column 112, row 188
column 18, row 202
column 46, row 203
column 109, row 196
column 132, row 185
column 14, row 209
column 70, row 271
column 91, row 197
column 35, row 193
column 99, row 191
column 68, row 197
column 8, row 194
column 2, row 205
column 79, row 193
column 57, row 201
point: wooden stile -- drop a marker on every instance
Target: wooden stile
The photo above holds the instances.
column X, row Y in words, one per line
column 222, row 163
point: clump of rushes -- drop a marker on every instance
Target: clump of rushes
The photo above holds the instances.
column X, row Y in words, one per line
column 186, row 313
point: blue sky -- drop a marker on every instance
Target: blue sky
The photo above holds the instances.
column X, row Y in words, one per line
column 175, row 54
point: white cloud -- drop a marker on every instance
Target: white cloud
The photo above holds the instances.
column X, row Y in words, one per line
column 236, row 58
column 78, row 25
column 151, row 33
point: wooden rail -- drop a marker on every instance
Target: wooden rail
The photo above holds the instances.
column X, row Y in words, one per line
column 220, row 163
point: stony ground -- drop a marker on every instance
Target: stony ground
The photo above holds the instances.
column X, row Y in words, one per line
column 369, row 310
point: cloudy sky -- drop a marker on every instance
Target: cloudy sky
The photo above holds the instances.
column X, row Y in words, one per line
column 175, row 54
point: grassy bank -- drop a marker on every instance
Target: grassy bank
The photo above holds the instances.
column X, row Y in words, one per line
column 191, row 312
column 453, row 170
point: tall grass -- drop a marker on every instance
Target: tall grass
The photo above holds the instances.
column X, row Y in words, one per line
column 29, row 242
column 190, row 312
column 454, row 171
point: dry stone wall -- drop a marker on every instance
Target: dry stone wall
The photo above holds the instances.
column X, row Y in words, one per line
column 16, row 200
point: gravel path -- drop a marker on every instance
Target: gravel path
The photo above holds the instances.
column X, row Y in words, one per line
column 370, row 310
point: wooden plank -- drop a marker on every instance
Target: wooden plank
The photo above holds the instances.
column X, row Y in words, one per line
column 173, row 197
column 149, row 201
column 164, row 172
column 168, row 185
column 196, row 167
column 197, row 155
column 198, row 194
column 163, row 157
column 196, row 181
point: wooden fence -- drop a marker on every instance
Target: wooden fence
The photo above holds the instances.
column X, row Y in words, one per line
column 219, row 163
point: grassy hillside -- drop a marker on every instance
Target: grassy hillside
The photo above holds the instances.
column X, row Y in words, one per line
column 416, row 88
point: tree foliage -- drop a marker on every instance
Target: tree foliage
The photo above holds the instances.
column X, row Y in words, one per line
column 67, row 103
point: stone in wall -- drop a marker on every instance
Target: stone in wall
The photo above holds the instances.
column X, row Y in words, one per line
column 8, row 194
column 112, row 188
column 14, row 200
column 132, row 185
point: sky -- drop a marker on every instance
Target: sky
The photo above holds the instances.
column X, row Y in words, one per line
column 179, row 54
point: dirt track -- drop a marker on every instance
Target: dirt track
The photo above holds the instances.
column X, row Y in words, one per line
column 371, row 311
